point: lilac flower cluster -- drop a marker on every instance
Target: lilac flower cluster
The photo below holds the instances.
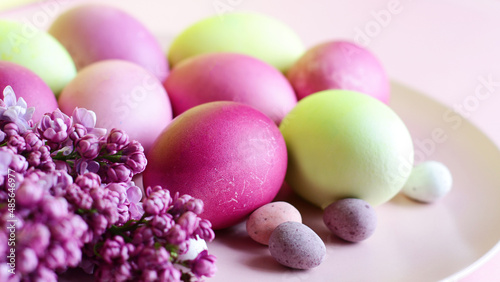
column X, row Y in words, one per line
column 49, row 234
column 76, row 204
column 149, row 248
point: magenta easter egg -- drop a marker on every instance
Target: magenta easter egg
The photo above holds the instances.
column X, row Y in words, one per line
column 29, row 86
column 227, row 154
column 339, row 65
column 230, row 77
column 96, row 32
column 123, row 95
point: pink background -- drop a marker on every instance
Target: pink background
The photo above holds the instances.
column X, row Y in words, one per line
column 440, row 47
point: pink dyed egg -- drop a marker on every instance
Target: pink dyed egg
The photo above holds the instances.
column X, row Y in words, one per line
column 227, row 154
column 339, row 65
column 29, row 86
column 97, row 32
column 262, row 222
column 230, row 77
column 123, row 95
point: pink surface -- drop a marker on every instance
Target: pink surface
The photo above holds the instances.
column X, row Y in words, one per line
column 447, row 49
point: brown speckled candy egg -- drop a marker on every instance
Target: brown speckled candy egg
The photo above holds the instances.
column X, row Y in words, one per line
column 295, row 245
column 351, row 219
column 265, row 219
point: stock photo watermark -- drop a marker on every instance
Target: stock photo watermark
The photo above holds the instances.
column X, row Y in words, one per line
column 379, row 20
column 31, row 25
column 132, row 100
column 11, row 222
column 424, row 148
column 486, row 86
column 222, row 7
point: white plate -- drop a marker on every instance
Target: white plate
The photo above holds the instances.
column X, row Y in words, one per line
column 413, row 241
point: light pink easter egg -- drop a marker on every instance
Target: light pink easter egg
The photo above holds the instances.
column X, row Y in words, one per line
column 29, row 86
column 339, row 65
column 97, row 32
column 123, row 95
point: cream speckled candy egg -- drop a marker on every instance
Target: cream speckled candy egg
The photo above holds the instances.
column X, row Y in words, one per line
column 262, row 222
column 428, row 182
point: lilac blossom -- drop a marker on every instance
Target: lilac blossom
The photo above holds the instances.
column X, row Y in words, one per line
column 88, row 119
column 88, row 146
column 77, row 205
column 15, row 111
column 204, row 265
column 55, row 127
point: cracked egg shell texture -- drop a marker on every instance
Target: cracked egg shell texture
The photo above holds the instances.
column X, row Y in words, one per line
column 227, row 154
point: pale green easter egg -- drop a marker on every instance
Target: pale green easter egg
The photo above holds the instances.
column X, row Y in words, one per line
column 38, row 51
column 252, row 34
column 346, row 144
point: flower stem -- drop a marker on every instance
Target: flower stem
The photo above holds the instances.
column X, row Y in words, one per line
column 113, row 158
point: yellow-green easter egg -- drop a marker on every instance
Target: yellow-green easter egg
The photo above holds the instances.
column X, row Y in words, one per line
column 345, row 144
column 38, row 51
column 252, row 34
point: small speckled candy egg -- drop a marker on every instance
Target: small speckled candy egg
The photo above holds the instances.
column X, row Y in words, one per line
column 295, row 245
column 428, row 182
column 265, row 219
column 351, row 219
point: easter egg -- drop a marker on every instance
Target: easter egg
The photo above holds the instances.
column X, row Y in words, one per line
column 353, row 220
column 262, row 222
column 29, row 86
column 98, row 32
column 123, row 95
column 339, row 65
column 428, row 182
column 227, row 154
column 230, row 77
column 38, row 51
column 295, row 245
column 345, row 144
column 252, row 34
